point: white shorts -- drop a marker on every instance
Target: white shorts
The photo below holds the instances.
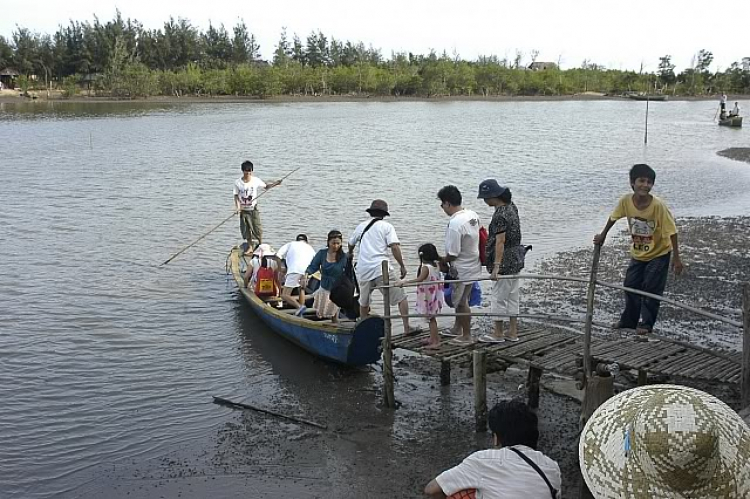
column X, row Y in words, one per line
column 292, row 280
column 367, row 287
column 506, row 295
column 460, row 293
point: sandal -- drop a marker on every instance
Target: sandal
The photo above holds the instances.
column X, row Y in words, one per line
column 432, row 346
column 413, row 331
column 488, row 338
column 459, row 341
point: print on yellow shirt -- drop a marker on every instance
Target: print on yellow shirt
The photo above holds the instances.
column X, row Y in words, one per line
column 650, row 228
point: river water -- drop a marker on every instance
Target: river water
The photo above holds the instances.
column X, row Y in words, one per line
column 107, row 358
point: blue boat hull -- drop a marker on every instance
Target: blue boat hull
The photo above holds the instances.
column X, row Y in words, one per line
column 352, row 344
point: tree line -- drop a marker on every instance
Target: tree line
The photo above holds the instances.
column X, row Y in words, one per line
column 121, row 58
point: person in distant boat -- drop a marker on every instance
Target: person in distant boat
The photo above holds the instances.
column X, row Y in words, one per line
column 331, row 262
column 462, row 255
column 505, row 256
column 723, row 106
column 735, row 110
column 513, row 468
column 246, row 190
column 297, row 256
column 374, row 238
column 654, row 235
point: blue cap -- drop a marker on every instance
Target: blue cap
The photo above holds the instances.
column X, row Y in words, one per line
column 490, row 189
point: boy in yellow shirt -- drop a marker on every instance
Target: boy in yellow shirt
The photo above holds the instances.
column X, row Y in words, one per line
column 652, row 227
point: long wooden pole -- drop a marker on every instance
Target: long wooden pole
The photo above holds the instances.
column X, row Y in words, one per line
column 219, row 224
column 745, row 345
column 230, row 403
column 389, row 398
column 645, row 136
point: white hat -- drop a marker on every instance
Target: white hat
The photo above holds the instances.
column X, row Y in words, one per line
column 665, row 441
column 264, row 250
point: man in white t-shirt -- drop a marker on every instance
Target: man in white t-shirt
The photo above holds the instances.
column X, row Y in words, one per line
column 503, row 472
column 462, row 253
column 375, row 237
column 298, row 254
column 246, row 191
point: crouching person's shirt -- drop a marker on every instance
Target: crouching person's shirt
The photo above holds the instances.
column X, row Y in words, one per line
column 502, row 474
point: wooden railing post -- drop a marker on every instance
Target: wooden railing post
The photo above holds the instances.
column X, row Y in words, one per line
column 593, row 396
column 745, row 383
column 590, row 313
column 389, row 399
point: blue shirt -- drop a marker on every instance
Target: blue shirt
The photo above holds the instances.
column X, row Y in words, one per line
column 329, row 271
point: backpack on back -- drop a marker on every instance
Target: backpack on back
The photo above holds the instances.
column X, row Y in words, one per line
column 265, row 283
column 483, row 236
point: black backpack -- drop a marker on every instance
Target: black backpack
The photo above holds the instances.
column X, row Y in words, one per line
column 345, row 290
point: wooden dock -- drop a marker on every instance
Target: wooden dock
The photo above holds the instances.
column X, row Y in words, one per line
column 562, row 352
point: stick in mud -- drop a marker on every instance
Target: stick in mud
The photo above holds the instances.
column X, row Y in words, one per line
column 222, row 401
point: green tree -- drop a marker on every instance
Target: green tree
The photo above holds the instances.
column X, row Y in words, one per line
column 666, row 71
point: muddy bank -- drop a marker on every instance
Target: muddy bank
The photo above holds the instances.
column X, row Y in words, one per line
column 717, row 258
column 365, row 452
column 736, row 153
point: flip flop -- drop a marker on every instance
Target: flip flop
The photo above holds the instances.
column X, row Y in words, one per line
column 449, row 333
column 432, row 347
column 488, row 338
column 413, row 331
column 457, row 341
column 513, row 339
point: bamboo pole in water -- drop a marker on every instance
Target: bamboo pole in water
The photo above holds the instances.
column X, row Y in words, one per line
column 480, row 389
column 389, row 399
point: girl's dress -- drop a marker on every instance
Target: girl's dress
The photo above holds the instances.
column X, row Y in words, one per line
column 430, row 295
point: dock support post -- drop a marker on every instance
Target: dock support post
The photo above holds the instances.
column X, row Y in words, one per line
column 480, row 389
column 745, row 384
column 642, row 377
column 389, row 399
column 593, row 394
column 532, row 385
column 445, row 372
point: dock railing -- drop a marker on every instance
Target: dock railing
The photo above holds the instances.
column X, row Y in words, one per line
column 591, row 283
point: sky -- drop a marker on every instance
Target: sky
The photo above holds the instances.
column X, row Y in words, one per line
column 617, row 35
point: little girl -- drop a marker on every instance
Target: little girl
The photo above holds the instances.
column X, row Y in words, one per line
column 429, row 296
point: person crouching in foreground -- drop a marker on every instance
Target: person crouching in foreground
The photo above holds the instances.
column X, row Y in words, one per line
column 506, row 470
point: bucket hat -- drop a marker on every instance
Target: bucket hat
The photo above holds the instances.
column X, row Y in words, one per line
column 378, row 206
column 264, row 250
column 490, row 189
column 665, row 441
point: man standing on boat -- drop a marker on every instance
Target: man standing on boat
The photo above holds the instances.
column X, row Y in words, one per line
column 723, row 106
column 246, row 191
column 375, row 237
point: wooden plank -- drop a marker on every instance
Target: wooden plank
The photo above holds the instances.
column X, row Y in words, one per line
column 532, row 386
column 745, row 379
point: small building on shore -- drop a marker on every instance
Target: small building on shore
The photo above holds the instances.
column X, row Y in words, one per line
column 8, row 77
column 541, row 66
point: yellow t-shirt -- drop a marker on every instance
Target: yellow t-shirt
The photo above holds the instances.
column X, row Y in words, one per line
column 650, row 229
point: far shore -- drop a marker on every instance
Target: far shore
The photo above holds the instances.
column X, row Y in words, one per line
column 13, row 96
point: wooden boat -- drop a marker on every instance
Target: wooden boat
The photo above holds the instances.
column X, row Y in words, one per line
column 350, row 343
column 650, row 97
column 733, row 121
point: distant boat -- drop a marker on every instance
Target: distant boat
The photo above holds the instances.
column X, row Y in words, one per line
column 733, row 121
column 652, row 97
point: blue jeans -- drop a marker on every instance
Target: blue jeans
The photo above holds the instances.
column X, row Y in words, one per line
column 650, row 277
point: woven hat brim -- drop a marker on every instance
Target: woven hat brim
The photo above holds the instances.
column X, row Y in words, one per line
column 611, row 475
